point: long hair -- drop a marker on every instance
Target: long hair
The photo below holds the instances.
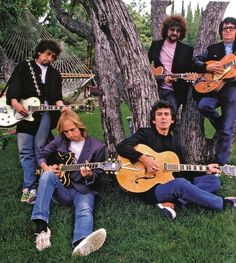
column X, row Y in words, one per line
column 174, row 21
column 160, row 104
column 72, row 116
column 45, row 44
column 227, row 20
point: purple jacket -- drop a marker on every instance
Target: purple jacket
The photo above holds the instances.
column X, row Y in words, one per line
column 93, row 151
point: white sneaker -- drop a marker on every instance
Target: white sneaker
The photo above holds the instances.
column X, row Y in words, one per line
column 91, row 243
column 167, row 209
column 43, row 240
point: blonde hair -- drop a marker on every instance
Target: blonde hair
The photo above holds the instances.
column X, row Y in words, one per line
column 72, row 116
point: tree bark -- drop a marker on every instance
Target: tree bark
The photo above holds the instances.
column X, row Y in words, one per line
column 6, row 64
column 114, row 21
column 108, row 77
column 108, row 82
column 73, row 25
column 158, row 13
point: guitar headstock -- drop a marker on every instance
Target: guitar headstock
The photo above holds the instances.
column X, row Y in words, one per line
column 157, row 71
column 110, row 166
column 191, row 76
column 228, row 170
column 85, row 108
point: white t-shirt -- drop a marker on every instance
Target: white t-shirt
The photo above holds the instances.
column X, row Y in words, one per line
column 76, row 148
column 44, row 71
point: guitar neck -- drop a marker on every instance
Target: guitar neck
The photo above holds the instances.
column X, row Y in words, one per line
column 185, row 167
column 77, row 167
column 175, row 76
column 43, row 107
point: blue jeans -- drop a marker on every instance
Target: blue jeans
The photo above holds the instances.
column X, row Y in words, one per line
column 168, row 95
column 200, row 192
column 29, row 146
column 50, row 188
column 224, row 124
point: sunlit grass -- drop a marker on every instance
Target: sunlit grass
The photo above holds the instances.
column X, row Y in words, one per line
column 136, row 232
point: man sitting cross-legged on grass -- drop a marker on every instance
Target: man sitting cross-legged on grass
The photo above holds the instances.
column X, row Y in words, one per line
column 80, row 192
column 196, row 188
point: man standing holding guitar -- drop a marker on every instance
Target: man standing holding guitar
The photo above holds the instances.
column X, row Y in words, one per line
column 212, row 60
column 175, row 57
column 36, row 78
column 197, row 188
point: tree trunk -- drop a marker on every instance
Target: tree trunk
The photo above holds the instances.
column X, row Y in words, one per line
column 192, row 136
column 73, row 25
column 6, row 64
column 158, row 13
column 131, row 58
column 108, row 82
column 107, row 74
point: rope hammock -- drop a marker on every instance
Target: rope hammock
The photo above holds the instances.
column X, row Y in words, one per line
column 21, row 41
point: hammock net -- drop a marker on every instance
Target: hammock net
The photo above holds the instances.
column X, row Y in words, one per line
column 20, row 44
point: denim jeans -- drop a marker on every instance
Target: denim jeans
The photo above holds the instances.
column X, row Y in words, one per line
column 224, row 124
column 199, row 193
column 168, row 95
column 29, row 146
column 50, row 188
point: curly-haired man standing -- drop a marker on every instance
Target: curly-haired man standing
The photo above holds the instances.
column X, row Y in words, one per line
column 175, row 57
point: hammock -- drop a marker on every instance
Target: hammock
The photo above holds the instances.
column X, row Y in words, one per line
column 20, row 44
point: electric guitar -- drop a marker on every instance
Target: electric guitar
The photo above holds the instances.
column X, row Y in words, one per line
column 135, row 178
column 9, row 117
column 158, row 74
column 66, row 165
column 212, row 82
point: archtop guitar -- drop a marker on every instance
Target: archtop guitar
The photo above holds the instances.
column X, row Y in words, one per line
column 135, row 178
column 66, row 164
column 211, row 82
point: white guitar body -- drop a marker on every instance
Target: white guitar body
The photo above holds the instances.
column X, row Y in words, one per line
column 9, row 117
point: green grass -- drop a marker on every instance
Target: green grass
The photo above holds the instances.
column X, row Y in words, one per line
column 136, row 231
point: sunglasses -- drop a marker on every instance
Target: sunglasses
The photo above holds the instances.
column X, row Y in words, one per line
column 230, row 28
column 173, row 29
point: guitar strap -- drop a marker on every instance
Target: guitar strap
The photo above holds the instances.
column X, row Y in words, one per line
column 34, row 78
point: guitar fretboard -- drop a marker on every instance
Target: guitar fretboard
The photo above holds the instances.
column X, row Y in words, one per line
column 76, row 167
column 56, row 108
column 185, row 167
column 177, row 76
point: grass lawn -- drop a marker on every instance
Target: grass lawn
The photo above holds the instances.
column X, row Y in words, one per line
column 136, row 231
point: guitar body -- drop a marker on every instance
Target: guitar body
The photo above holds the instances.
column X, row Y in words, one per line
column 60, row 158
column 134, row 177
column 208, row 83
column 157, row 71
column 211, row 82
column 9, row 117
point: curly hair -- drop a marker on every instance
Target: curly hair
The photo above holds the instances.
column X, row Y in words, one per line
column 174, row 21
column 227, row 20
column 45, row 44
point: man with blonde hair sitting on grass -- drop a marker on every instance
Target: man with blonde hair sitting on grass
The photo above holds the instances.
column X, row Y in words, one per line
column 80, row 191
